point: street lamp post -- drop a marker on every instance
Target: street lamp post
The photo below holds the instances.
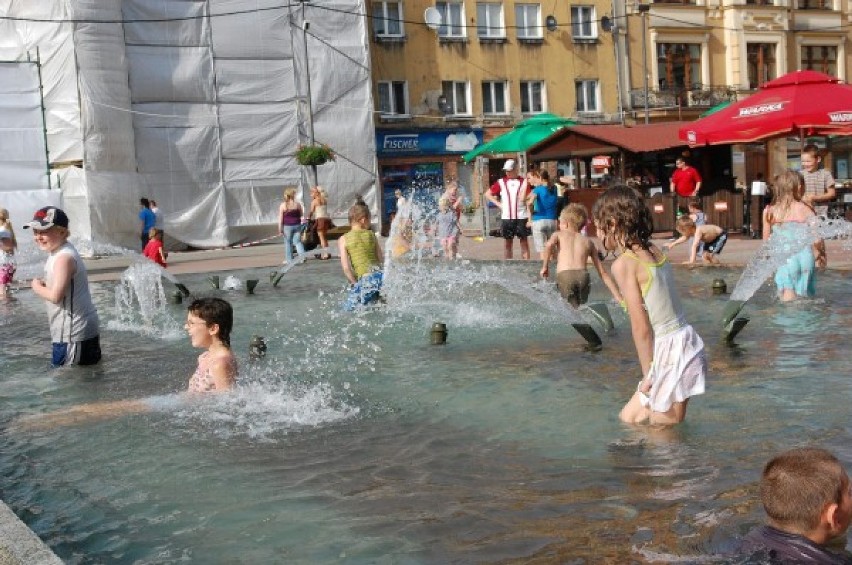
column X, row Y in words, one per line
column 643, row 9
column 305, row 26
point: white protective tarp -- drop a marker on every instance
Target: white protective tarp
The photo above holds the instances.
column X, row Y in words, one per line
column 201, row 105
column 23, row 157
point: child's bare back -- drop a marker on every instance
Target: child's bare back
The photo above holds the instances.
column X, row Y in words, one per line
column 575, row 250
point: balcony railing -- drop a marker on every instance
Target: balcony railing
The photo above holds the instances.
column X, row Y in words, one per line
column 699, row 97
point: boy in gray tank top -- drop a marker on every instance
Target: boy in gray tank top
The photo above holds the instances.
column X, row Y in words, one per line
column 74, row 324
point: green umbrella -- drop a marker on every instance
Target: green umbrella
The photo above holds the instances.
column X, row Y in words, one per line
column 716, row 108
column 522, row 137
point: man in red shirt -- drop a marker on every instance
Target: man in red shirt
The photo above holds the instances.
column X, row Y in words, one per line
column 510, row 193
column 685, row 181
column 684, row 184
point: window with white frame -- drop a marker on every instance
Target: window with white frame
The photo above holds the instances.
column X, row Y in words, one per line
column 456, row 95
column 494, row 98
column 583, row 24
column 532, row 97
column 387, row 19
column 821, row 58
column 393, row 98
column 528, row 21
column 587, row 96
column 452, row 19
column 489, row 20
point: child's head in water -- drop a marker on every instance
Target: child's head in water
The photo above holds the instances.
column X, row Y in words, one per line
column 622, row 219
column 573, row 217
column 216, row 314
column 443, row 204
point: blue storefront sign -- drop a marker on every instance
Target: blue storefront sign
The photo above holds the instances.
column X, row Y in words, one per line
column 402, row 143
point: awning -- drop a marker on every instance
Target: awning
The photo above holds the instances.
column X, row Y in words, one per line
column 522, row 137
column 593, row 140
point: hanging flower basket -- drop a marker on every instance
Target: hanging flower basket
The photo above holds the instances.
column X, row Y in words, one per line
column 313, row 155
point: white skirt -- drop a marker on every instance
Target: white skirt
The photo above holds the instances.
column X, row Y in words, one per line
column 678, row 369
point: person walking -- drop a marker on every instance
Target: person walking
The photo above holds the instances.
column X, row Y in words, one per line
column 290, row 225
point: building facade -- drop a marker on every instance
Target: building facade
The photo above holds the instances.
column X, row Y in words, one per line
column 704, row 52
column 472, row 70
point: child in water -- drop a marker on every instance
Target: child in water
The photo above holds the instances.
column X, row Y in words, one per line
column 784, row 219
column 574, row 251
column 8, row 245
column 361, row 258
column 670, row 352
column 708, row 239
column 448, row 228
column 154, row 248
column 208, row 323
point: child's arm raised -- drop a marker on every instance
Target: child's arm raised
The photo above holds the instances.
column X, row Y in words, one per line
column 605, row 277
column 624, row 272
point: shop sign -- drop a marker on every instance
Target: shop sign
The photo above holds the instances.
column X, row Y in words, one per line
column 400, row 143
column 602, row 162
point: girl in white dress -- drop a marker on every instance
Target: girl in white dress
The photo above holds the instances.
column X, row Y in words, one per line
column 670, row 351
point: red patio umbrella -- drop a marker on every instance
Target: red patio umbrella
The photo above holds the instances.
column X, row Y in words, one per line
column 798, row 103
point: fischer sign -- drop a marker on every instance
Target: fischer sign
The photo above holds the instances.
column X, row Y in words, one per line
column 749, row 111
column 842, row 117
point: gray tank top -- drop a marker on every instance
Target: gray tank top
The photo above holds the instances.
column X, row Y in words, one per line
column 75, row 318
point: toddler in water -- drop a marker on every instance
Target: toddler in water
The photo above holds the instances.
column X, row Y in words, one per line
column 8, row 244
column 784, row 219
column 154, row 248
column 361, row 258
column 448, row 228
column 574, row 251
column 671, row 353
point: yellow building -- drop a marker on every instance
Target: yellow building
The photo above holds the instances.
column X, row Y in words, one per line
column 476, row 69
column 703, row 52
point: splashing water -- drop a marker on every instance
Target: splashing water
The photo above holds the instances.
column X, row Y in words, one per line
column 258, row 410
column 419, row 285
column 781, row 246
column 140, row 303
column 232, row 283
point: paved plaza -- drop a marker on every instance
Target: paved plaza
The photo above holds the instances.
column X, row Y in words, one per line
column 738, row 251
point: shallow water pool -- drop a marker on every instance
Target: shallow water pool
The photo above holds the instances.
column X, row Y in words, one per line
column 356, row 441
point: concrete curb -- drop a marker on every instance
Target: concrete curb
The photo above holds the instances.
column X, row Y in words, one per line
column 19, row 545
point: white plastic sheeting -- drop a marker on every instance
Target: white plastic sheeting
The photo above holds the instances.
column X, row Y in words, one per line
column 201, row 106
column 23, row 157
